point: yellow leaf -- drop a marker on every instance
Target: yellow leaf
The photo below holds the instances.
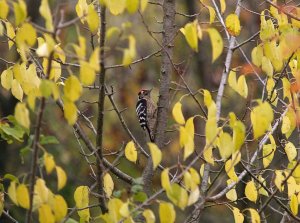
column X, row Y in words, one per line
column 108, row 184
column 46, row 14
column 231, row 194
column 20, row 10
column 239, row 132
column 232, row 80
column 216, row 42
column 167, row 213
column 225, row 145
column 279, row 178
column 149, row 216
column 49, row 162
column 81, row 9
column 7, row 78
column 251, row 191
column 242, row 87
column 268, row 154
column 289, row 122
column 12, row 192
column 116, row 7
column 10, row 31
column 194, row 196
column 60, row 208
column 132, row 5
column 80, row 50
column 130, row 53
column 255, row 218
column 262, row 190
column 191, row 34
column 70, row 112
column 94, row 59
column 177, row 113
column 41, row 193
column 257, row 55
column 61, row 177
column 45, row 214
column 92, row 18
column 294, row 204
column 229, row 168
column 223, row 6
column 143, row 6
column 238, row 216
column 72, row 88
column 261, row 118
column 23, row 196
column 131, row 152
column 290, row 151
column 155, row 154
column 267, row 66
column 81, row 197
column 22, row 115
column 233, row 24
column 178, row 196
column 16, row 90
column 87, row 73
column 286, row 88
column 212, row 14
column 208, row 155
column 165, row 180
column 4, row 9
column 114, row 206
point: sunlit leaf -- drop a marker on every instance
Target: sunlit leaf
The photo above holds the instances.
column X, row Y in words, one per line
column 143, row 6
column 72, row 88
column 20, row 10
column 261, row 118
column 61, row 177
column 267, row 66
column 251, row 191
column 212, row 14
column 233, row 24
column 12, row 192
column 167, row 212
column 116, row 7
column 46, row 14
column 294, row 204
column 60, row 208
column 70, row 112
column 132, row 5
column 22, row 115
column 49, row 162
column 81, row 197
column 231, row 194
column 16, row 90
column 191, row 34
column 255, row 218
column 130, row 53
column 45, row 214
column 149, row 216
column 165, row 180
column 10, row 31
column 223, row 6
column 4, row 9
column 131, row 152
column 290, row 151
column 279, row 178
column 22, row 195
column 6, row 79
column 216, row 42
column 177, row 113
column 108, row 184
column 92, row 18
column 156, row 154
column 238, row 216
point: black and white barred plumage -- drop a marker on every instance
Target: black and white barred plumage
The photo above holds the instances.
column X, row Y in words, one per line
column 146, row 112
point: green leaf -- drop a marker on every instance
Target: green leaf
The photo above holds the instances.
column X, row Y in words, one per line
column 48, row 140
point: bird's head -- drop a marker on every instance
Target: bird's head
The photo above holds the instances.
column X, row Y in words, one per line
column 144, row 93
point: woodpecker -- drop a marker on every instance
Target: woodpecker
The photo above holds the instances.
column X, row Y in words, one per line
column 146, row 112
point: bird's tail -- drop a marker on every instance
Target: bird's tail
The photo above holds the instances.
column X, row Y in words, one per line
column 150, row 135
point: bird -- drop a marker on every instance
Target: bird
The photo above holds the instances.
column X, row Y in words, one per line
column 146, row 112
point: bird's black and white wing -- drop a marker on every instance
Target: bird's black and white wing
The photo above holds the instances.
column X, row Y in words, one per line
column 141, row 111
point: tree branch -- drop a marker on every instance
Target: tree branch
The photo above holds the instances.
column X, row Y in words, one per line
column 100, row 116
column 163, row 102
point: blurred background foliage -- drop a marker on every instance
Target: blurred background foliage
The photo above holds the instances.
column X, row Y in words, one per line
column 197, row 69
